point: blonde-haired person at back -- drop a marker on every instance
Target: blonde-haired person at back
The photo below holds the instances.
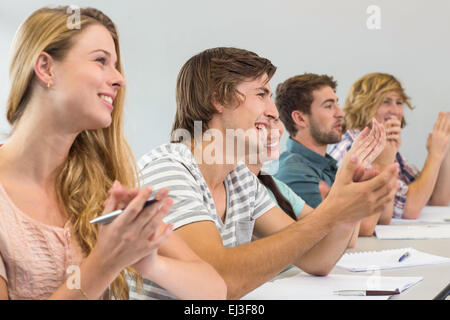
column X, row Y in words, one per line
column 382, row 96
column 65, row 157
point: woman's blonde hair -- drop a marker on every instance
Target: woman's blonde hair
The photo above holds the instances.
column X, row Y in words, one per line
column 97, row 157
column 365, row 97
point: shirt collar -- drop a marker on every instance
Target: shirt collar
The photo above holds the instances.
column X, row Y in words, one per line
column 314, row 158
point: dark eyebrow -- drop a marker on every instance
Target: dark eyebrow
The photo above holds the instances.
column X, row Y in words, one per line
column 329, row 100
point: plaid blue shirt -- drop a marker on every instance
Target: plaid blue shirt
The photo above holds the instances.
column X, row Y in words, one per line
column 408, row 173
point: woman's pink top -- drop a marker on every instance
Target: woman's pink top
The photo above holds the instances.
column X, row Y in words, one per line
column 34, row 257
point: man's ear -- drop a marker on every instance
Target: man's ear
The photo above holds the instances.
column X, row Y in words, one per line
column 299, row 119
column 216, row 104
column 43, row 69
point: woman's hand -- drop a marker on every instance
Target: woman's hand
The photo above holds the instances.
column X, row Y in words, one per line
column 438, row 142
column 148, row 265
column 133, row 235
column 393, row 133
column 393, row 143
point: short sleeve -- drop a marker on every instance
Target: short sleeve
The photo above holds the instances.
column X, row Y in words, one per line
column 295, row 200
column 408, row 174
column 188, row 205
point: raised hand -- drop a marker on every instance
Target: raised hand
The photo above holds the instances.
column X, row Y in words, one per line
column 438, row 142
column 119, row 197
column 366, row 147
column 393, row 133
column 393, row 143
column 352, row 201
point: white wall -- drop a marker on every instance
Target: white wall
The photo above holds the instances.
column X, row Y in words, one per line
column 323, row 36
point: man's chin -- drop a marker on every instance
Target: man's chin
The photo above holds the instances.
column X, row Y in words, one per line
column 336, row 140
column 333, row 139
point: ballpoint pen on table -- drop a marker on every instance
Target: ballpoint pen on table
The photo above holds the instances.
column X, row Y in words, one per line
column 403, row 257
column 366, row 292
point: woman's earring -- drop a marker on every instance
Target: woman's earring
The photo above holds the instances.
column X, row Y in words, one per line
column 48, row 84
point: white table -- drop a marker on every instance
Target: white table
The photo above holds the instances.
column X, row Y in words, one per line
column 436, row 278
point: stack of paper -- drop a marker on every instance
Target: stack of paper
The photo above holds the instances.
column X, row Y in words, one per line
column 387, row 259
column 415, row 232
column 307, row 287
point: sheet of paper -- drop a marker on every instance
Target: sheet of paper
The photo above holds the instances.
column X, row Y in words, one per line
column 429, row 214
column 413, row 232
column 387, row 259
column 306, row 287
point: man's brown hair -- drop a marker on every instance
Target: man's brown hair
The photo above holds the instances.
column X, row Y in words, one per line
column 296, row 93
column 213, row 75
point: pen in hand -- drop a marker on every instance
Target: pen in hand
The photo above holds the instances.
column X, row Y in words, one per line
column 109, row 217
column 403, row 257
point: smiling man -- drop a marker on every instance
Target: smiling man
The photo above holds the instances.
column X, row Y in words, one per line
column 309, row 110
column 219, row 206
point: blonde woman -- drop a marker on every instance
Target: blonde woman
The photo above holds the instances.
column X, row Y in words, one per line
column 65, row 157
column 382, row 96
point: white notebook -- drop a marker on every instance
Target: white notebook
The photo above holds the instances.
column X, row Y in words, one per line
column 429, row 214
column 434, row 214
column 307, row 287
column 387, row 259
column 415, row 232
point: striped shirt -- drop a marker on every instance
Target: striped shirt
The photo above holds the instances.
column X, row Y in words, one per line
column 173, row 166
column 407, row 174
